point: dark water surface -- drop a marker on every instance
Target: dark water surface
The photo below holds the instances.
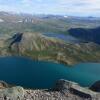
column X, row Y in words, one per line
column 39, row 74
column 65, row 37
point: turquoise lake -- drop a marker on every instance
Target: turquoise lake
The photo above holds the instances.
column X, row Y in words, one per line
column 41, row 74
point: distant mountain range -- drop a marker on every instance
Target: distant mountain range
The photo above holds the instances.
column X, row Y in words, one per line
column 12, row 23
column 22, row 17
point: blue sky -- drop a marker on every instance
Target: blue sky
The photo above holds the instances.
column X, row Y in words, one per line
column 68, row 7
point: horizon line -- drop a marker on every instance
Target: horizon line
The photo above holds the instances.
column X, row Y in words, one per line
column 70, row 15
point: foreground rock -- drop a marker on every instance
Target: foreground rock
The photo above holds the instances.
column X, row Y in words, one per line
column 14, row 93
column 96, row 86
column 49, row 95
column 64, row 90
column 65, row 86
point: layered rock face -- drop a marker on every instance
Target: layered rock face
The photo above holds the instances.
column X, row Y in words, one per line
column 64, row 90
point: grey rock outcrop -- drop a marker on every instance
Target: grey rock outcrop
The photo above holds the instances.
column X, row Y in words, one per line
column 14, row 93
column 96, row 86
column 3, row 85
column 64, row 90
column 67, row 86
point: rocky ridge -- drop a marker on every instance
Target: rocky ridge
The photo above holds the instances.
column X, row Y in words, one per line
column 63, row 90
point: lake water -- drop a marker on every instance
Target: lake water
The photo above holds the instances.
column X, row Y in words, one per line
column 65, row 37
column 40, row 74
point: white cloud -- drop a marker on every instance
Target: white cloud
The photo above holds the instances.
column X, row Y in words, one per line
column 79, row 7
column 26, row 2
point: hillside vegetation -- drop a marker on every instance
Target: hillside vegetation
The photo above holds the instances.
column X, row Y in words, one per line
column 22, row 35
column 40, row 47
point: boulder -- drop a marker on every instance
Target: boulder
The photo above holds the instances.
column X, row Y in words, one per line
column 96, row 86
column 63, row 85
column 66, row 86
column 14, row 93
column 3, row 85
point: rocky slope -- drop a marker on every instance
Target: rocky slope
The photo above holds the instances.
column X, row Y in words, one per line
column 40, row 47
column 63, row 90
column 33, row 41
